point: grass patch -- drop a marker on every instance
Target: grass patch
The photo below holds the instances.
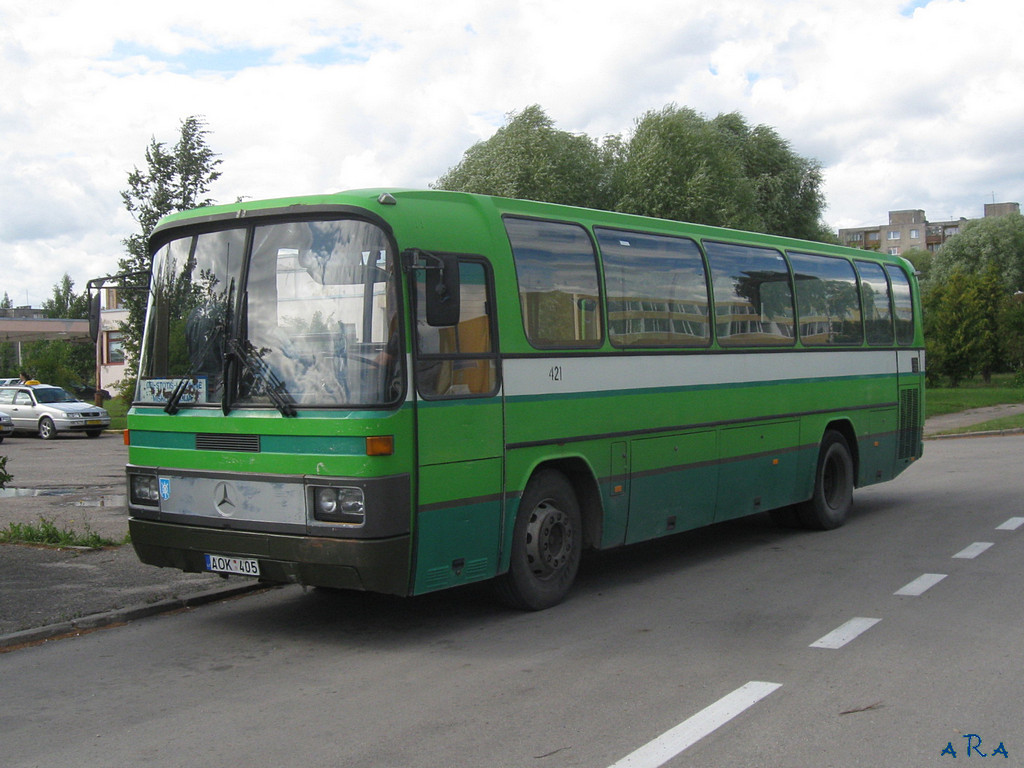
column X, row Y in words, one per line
column 118, row 410
column 1006, row 423
column 46, row 533
column 974, row 394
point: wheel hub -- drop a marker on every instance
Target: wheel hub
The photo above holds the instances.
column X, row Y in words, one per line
column 549, row 537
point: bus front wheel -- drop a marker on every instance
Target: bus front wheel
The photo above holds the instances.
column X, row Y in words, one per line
column 546, row 545
column 833, row 485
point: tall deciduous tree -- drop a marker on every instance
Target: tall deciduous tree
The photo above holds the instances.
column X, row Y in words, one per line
column 996, row 242
column 676, row 164
column 529, row 159
column 174, row 179
column 55, row 361
column 974, row 320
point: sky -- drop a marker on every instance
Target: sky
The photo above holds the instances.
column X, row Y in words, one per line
column 905, row 103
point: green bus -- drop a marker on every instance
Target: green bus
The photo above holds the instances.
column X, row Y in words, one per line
column 404, row 391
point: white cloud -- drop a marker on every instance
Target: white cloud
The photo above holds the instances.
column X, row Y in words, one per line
column 907, row 104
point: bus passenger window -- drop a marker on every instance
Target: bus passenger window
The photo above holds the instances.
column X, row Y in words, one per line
column 826, row 300
column 903, row 305
column 753, row 295
column 874, row 290
column 558, row 290
column 657, row 290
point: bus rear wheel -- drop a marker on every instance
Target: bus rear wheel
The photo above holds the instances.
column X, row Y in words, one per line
column 546, row 546
column 833, row 486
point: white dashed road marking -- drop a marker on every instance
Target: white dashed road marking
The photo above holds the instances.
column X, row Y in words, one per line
column 688, row 732
column 920, row 585
column 975, row 549
column 840, row 636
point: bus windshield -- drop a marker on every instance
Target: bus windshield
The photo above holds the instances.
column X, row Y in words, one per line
column 296, row 313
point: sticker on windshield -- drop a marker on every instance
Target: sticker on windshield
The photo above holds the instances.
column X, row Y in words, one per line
column 165, row 488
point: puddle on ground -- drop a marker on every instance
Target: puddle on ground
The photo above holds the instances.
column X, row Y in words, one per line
column 113, row 500
column 13, row 493
column 104, row 500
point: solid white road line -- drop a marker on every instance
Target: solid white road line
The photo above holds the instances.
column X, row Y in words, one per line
column 688, row 732
column 1011, row 525
column 840, row 636
column 920, row 585
column 975, row 549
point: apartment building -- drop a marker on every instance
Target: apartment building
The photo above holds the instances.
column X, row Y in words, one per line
column 911, row 229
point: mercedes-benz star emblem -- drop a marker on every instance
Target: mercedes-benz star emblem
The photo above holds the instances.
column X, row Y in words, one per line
column 225, row 506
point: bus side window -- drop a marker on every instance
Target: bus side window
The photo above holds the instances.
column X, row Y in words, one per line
column 458, row 360
column 826, row 300
column 657, row 290
column 753, row 295
column 903, row 304
column 558, row 290
column 877, row 307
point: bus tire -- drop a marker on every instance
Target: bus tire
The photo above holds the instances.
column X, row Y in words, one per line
column 833, row 485
column 546, row 544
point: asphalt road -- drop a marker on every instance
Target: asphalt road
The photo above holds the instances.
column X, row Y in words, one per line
column 712, row 648
column 76, row 483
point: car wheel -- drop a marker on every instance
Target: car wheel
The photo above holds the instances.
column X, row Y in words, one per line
column 47, row 429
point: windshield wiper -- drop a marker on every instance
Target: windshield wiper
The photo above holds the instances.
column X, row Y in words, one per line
column 252, row 362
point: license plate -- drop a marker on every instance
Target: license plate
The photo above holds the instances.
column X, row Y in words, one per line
column 240, row 565
column 92, row 422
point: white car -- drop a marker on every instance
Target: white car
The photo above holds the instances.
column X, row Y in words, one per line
column 49, row 410
column 6, row 426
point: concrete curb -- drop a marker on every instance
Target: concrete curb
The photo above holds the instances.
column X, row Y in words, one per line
column 75, row 627
column 992, row 433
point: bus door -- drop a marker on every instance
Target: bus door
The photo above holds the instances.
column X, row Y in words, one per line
column 460, row 435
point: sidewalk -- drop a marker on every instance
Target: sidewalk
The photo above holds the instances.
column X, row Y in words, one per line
column 969, row 418
column 48, row 593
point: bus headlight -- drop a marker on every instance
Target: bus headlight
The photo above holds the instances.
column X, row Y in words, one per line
column 339, row 504
column 144, row 489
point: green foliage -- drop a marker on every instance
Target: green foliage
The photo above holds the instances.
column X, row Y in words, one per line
column 55, row 361
column 921, row 260
column 175, row 179
column 676, row 164
column 962, row 326
column 996, row 243
column 529, row 159
column 5, row 476
column 48, row 534
column 973, row 322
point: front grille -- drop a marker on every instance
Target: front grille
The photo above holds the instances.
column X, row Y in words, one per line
column 243, row 443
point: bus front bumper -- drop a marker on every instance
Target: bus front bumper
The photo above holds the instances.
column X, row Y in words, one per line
column 370, row 565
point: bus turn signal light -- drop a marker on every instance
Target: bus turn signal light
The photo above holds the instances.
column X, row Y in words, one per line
column 380, row 445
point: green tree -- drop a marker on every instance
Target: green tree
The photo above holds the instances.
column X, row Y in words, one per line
column 961, row 326
column 65, row 303
column 55, row 361
column 676, row 165
column 174, row 179
column 529, row 159
column 996, row 242
column 921, row 260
